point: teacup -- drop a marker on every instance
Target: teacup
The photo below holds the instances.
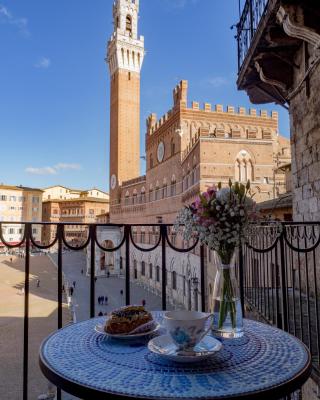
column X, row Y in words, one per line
column 186, row 328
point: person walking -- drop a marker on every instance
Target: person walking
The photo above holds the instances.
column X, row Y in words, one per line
column 74, row 284
column 121, row 292
column 38, row 282
column 82, row 272
column 143, row 302
column 71, row 291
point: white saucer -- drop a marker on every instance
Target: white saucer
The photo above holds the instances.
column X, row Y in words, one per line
column 100, row 329
column 165, row 347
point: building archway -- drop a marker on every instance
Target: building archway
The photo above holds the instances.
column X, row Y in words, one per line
column 107, row 259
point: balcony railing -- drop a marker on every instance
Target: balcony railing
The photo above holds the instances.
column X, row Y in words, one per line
column 252, row 14
column 277, row 270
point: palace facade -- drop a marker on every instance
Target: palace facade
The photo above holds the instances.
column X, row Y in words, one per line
column 188, row 149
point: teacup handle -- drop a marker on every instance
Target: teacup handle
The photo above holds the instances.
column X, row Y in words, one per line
column 210, row 326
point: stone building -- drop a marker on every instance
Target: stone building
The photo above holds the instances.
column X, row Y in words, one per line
column 188, row 149
column 84, row 207
column 279, row 61
column 20, row 204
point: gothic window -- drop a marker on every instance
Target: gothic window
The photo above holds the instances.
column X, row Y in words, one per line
column 134, row 197
column 164, row 189
column 143, row 268
column 244, row 169
column 135, row 269
column 151, row 161
column 117, row 22
column 150, row 270
column 172, row 147
column 173, row 186
column 158, row 273
column 174, row 280
column 126, row 200
column 143, row 195
column 151, row 193
column 129, row 24
column 157, row 191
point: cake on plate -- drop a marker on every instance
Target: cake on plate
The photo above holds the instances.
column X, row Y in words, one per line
column 128, row 320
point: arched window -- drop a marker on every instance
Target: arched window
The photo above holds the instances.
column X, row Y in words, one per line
column 174, row 280
column 173, row 185
column 244, row 169
column 157, row 273
column 129, row 24
column 151, row 161
column 151, row 193
column 172, row 147
column 164, row 188
column 157, row 191
column 150, row 270
column 134, row 197
column 126, row 200
column 143, row 268
column 117, row 22
column 135, row 269
column 143, row 195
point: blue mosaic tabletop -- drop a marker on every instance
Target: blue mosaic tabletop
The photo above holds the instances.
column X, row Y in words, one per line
column 263, row 358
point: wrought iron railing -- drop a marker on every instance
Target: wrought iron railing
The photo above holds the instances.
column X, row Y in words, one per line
column 281, row 272
column 91, row 242
column 252, row 13
column 278, row 272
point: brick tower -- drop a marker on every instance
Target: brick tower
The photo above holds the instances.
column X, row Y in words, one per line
column 125, row 58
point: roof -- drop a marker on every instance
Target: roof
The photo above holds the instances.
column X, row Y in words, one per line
column 11, row 187
column 283, row 201
column 73, row 190
column 78, row 199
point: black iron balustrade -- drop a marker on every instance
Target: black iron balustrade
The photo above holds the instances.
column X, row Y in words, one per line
column 281, row 271
column 161, row 237
column 278, row 271
column 252, row 13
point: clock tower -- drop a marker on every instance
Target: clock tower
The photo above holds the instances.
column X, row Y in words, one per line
column 124, row 57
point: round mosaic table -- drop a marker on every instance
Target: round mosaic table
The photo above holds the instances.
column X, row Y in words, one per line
column 266, row 363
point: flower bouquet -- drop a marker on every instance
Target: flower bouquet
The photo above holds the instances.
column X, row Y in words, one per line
column 219, row 218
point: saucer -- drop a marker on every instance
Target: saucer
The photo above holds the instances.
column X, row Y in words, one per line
column 164, row 347
column 100, row 329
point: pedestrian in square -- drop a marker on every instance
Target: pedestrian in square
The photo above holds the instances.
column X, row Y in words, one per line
column 38, row 282
column 74, row 284
column 121, row 292
column 143, row 302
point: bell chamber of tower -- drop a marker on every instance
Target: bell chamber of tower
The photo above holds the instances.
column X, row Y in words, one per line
column 125, row 56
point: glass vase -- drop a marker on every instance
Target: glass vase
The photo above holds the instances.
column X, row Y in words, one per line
column 225, row 302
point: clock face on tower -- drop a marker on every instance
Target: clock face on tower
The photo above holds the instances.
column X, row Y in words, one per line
column 160, row 151
column 113, row 181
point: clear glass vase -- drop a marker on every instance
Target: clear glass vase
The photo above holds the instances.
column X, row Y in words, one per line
column 225, row 302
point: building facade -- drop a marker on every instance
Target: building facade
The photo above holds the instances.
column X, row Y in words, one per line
column 279, row 62
column 83, row 208
column 20, row 204
column 187, row 150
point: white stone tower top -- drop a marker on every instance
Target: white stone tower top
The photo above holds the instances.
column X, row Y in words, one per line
column 125, row 48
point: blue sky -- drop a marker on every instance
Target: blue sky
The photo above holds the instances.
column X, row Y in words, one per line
column 54, row 96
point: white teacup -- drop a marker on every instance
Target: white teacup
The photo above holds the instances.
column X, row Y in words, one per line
column 186, row 328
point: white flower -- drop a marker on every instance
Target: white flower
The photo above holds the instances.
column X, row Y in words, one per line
column 223, row 195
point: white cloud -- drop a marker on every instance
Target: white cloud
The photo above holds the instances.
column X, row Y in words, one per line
column 218, row 81
column 52, row 170
column 41, row 171
column 20, row 23
column 43, row 62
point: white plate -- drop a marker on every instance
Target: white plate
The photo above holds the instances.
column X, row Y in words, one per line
column 100, row 329
column 165, row 347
